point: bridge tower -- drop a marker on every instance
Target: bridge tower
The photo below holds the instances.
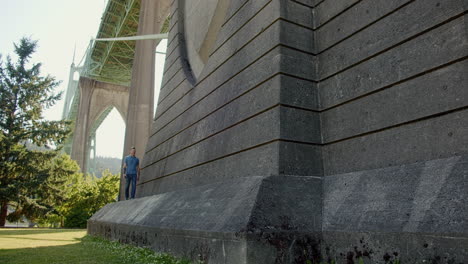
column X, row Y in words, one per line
column 116, row 73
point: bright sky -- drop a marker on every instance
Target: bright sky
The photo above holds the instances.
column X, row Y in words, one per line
column 60, row 26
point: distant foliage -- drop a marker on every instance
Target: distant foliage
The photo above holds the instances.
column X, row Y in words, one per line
column 100, row 164
column 87, row 195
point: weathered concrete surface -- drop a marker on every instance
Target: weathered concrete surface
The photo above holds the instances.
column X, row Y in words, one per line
column 388, row 247
column 95, row 98
column 408, row 198
column 314, row 131
column 201, row 29
column 234, row 221
column 141, row 93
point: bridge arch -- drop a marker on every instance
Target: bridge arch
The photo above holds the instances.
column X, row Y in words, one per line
column 101, row 135
column 96, row 100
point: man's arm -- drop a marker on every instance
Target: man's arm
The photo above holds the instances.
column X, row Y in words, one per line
column 125, row 169
column 138, row 172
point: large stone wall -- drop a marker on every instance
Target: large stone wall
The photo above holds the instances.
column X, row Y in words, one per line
column 315, row 130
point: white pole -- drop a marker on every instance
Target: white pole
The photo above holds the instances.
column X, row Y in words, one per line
column 153, row 36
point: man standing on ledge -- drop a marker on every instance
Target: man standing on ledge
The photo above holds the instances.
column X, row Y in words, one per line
column 131, row 172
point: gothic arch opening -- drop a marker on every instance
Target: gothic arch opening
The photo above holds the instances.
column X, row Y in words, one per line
column 106, row 141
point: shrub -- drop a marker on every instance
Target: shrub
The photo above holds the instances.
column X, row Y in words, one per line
column 89, row 194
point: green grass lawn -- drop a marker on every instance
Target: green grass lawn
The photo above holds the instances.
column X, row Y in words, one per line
column 63, row 246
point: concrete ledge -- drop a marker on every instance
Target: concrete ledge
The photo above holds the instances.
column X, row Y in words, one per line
column 215, row 222
column 257, row 219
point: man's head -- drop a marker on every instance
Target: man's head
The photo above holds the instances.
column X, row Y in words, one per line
column 132, row 151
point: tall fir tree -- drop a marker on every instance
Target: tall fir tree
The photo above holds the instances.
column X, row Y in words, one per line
column 24, row 95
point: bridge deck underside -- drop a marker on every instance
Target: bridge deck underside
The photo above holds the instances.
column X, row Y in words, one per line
column 112, row 61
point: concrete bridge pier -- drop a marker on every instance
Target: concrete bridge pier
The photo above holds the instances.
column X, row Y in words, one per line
column 141, row 94
column 303, row 131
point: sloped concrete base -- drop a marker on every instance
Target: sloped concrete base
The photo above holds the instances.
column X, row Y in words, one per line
column 247, row 220
column 288, row 219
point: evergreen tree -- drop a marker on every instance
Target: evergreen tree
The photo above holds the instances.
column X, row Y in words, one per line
column 24, row 94
column 48, row 198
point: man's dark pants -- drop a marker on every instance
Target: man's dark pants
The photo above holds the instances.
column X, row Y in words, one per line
column 131, row 178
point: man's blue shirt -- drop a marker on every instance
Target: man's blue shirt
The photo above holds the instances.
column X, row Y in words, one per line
column 132, row 163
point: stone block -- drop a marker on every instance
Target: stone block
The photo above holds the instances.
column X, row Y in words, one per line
column 232, row 140
column 172, row 99
column 299, row 93
column 432, row 138
column 331, row 9
column 300, row 159
column 236, row 111
column 172, row 83
column 354, row 19
column 398, row 27
column 295, row 12
column 241, row 82
column 267, row 17
column 245, row 14
column 430, row 94
column 428, row 51
column 261, row 160
column 424, row 197
column 234, row 7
